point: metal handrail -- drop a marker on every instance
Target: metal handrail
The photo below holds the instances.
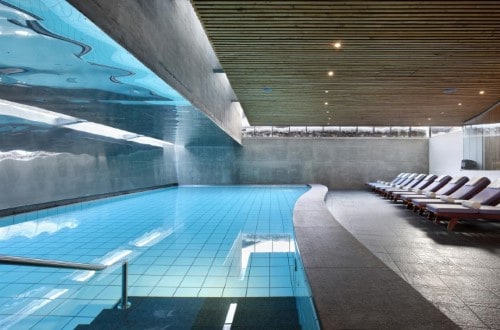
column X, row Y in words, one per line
column 22, row 261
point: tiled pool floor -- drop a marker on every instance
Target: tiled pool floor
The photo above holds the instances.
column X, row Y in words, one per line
column 201, row 313
column 180, row 242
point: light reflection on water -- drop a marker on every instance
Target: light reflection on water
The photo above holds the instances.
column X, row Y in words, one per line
column 53, row 57
column 180, row 242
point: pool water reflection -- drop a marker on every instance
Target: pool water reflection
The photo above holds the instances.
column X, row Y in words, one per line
column 225, row 241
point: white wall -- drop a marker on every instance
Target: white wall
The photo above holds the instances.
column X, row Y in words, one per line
column 446, row 154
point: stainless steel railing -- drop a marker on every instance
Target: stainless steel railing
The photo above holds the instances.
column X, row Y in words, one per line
column 22, row 261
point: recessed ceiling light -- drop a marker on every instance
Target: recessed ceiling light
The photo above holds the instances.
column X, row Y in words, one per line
column 460, row 104
column 329, row 118
column 326, row 91
column 481, row 92
column 337, row 45
column 330, row 73
column 442, row 112
column 429, row 118
column 326, row 103
column 327, row 111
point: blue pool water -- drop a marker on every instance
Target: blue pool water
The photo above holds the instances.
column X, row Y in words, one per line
column 206, row 241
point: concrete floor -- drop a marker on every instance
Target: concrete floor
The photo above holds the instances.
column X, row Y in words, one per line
column 458, row 272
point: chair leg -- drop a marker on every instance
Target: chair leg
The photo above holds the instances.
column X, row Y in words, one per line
column 452, row 224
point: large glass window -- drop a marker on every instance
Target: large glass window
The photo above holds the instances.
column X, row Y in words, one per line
column 482, row 141
column 348, row 131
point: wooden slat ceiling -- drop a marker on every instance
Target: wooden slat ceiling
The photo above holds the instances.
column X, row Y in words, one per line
column 400, row 63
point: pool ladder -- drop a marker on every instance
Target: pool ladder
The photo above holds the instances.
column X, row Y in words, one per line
column 21, row 261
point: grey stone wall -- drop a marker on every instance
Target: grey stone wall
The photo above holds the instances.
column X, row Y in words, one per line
column 337, row 163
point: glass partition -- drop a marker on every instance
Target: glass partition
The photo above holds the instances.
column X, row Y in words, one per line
column 419, row 131
column 400, row 131
column 315, row 131
column 440, row 130
column 281, row 131
column 332, row 131
column 263, row 131
column 381, row 131
column 482, row 141
column 348, row 131
column 365, row 131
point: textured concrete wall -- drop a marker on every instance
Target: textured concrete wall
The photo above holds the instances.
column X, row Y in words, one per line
column 337, row 163
column 168, row 38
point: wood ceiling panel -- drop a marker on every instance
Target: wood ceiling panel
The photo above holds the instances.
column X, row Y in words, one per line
column 401, row 62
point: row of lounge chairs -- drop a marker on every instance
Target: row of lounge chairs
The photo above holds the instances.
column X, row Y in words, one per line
column 443, row 198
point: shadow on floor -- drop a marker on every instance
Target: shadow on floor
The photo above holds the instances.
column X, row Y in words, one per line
column 199, row 313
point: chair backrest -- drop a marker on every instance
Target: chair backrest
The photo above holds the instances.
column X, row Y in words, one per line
column 453, row 185
column 407, row 179
column 416, row 180
column 426, row 181
column 438, row 183
column 489, row 195
column 471, row 188
column 399, row 177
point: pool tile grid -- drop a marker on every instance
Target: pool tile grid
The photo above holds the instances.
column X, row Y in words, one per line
column 173, row 267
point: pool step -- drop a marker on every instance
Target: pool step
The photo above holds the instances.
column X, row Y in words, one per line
column 199, row 313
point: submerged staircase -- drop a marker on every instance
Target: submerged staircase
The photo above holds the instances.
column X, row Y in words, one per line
column 200, row 313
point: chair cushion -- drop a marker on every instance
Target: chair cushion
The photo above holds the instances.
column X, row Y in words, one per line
column 473, row 181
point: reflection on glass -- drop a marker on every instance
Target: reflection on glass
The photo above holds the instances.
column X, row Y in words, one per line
column 482, row 140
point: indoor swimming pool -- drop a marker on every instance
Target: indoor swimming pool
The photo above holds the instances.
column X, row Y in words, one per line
column 187, row 242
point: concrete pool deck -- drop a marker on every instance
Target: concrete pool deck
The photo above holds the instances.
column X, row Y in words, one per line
column 351, row 287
